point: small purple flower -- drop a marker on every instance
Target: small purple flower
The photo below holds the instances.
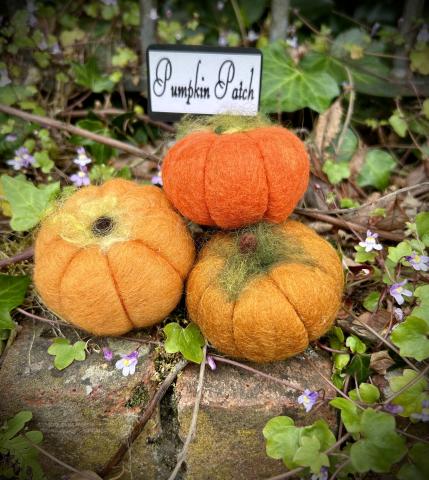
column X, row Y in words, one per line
column 82, row 158
column 157, row 179
column 308, row 399
column 398, row 292
column 168, row 13
column 31, row 9
column 424, row 415
column 252, row 36
column 56, row 49
column 370, row 242
column 222, row 40
column 418, row 262
column 22, row 159
column 81, row 178
column 107, row 354
column 393, row 409
column 292, row 42
column 425, row 403
column 398, row 314
column 322, row 475
column 4, row 77
column 210, row 362
column 110, row 3
column 42, row 45
column 153, row 14
column 128, row 363
column 11, row 137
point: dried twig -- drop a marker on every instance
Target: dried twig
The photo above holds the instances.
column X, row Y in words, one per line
column 192, row 427
column 51, row 123
column 339, row 222
column 143, row 418
column 19, row 257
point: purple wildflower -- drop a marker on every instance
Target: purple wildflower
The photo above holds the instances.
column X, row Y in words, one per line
column 393, row 409
column 210, row 362
column 31, row 9
column 128, row 363
column 42, row 45
column 308, row 399
column 110, row 3
column 56, row 49
column 424, row 415
column 398, row 292
column 11, row 137
column 4, row 77
column 22, row 159
column 370, row 242
column 157, row 179
column 418, row 262
column 252, row 36
column 81, row 178
column 222, row 40
column 398, row 314
column 82, row 158
column 168, row 13
column 322, row 475
column 107, row 354
column 153, row 14
column 425, row 403
column 293, row 43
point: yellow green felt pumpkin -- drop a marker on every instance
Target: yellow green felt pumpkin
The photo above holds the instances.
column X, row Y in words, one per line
column 113, row 258
column 264, row 293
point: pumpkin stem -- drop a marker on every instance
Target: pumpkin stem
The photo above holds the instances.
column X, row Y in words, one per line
column 102, row 226
column 248, row 243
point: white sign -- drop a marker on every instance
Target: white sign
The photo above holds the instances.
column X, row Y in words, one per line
column 204, row 80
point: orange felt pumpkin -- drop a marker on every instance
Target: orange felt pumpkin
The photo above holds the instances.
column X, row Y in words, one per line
column 236, row 178
column 113, row 258
column 264, row 294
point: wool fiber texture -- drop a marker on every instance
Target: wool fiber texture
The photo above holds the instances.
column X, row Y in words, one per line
column 233, row 177
column 112, row 258
column 276, row 307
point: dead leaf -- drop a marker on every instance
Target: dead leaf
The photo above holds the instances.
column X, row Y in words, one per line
column 381, row 361
column 328, row 126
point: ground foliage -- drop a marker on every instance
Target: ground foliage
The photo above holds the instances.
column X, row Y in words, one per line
column 354, row 87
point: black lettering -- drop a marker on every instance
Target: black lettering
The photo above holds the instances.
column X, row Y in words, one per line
column 225, row 77
column 163, row 73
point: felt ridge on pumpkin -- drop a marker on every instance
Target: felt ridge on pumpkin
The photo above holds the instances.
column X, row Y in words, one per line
column 221, row 123
column 255, row 250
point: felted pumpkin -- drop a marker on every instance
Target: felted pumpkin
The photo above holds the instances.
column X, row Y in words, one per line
column 113, row 258
column 232, row 176
column 264, row 293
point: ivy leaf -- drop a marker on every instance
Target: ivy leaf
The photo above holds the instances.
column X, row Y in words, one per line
column 28, row 202
column 380, row 446
column 288, row 87
column 412, row 338
column 320, row 430
column 359, row 366
column 362, row 257
column 341, row 360
column 350, row 414
column 123, row 57
column 410, row 399
column 355, row 344
column 15, row 425
column 398, row 124
column 396, row 254
column 188, row 341
column 366, row 392
column 419, row 59
column 371, row 301
column 376, row 169
column 43, row 161
column 309, row 455
column 422, row 225
column 65, row 353
column 282, row 439
column 12, row 291
column 88, row 75
column 419, row 469
column 336, row 172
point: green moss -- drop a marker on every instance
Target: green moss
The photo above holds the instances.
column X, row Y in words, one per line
column 139, row 397
column 220, row 124
column 254, row 251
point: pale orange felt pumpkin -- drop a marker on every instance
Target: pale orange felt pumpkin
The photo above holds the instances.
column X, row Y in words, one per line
column 264, row 294
column 113, row 258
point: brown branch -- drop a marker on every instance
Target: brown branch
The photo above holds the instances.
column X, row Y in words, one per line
column 19, row 257
column 142, row 419
column 51, row 123
column 117, row 111
column 339, row 222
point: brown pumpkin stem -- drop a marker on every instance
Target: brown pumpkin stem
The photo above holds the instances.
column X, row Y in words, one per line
column 247, row 243
column 102, row 226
